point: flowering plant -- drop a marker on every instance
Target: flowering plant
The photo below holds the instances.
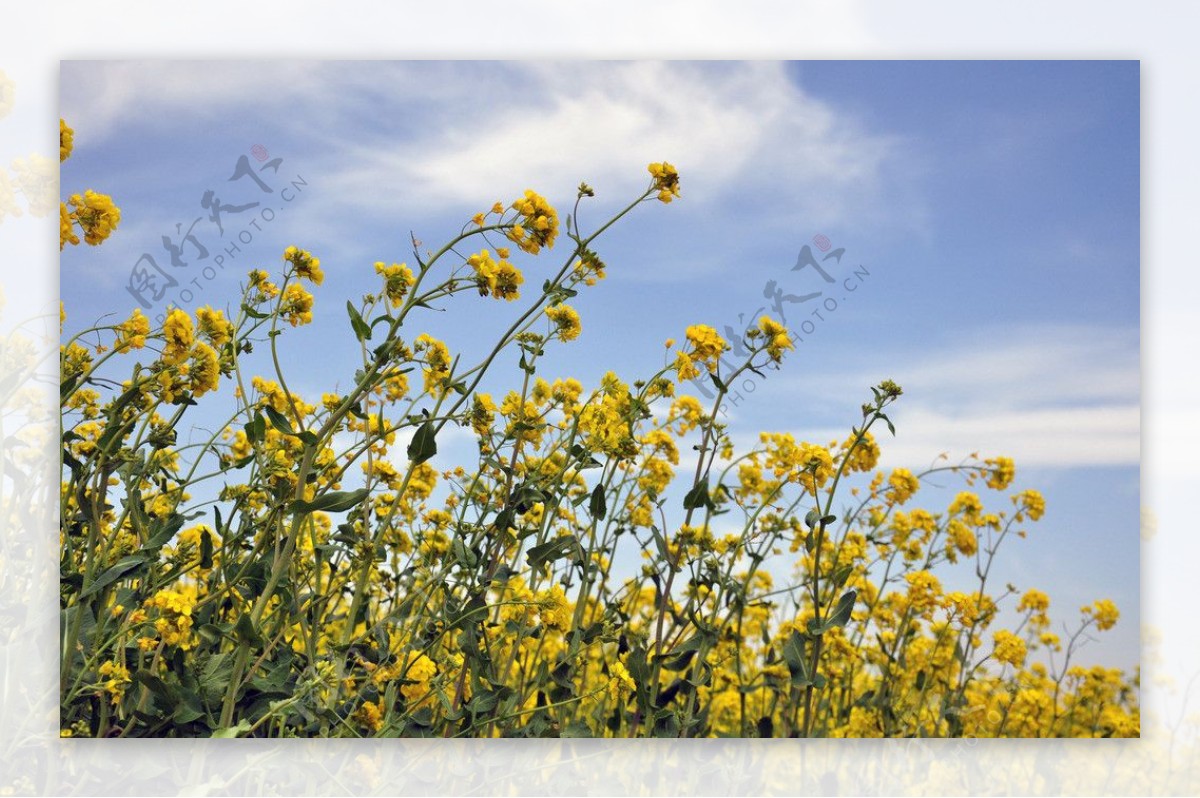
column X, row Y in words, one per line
column 312, row 567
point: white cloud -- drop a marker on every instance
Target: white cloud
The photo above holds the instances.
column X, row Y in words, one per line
column 721, row 124
column 99, row 99
column 1067, row 437
column 421, row 134
column 1045, row 395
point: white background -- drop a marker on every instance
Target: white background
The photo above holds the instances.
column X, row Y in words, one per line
column 1159, row 34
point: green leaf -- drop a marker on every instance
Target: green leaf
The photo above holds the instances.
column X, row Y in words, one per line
column 113, row 574
column 680, row 662
column 811, row 518
column 504, row 520
column 841, row 612
column 483, row 702
column 793, row 655
column 206, row 547
column 113, row 434
column 245, row 631
column 68, row 385
column 362, row 330
column 474, row 611
column 233, row 731
column 717, row 382
column 891, row 426
column 256, row 429
column 423, row 446
column 698, row 496
column 666, row 724
column 548, row 552
column 576, row 728
column 210, row 633
column 333, row 502
column 703, row 676
column 838, row 617
column 161, row 531
column 841, row 575
column 681, row 656
column 503, row 574
column 597, row 506
column 156, row 686
column 464, row 555
column 384, row 319
column 525, row 497
column 189, row 708
column 279, row 421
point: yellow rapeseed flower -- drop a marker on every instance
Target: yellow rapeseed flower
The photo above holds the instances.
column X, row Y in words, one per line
column 1009, row 648
column 538, row 225
column 566, row 322
column 1034, row 600
column 369, row 716
column 115, row 678
column 297, row 305
column 437, row 362
column 131, row 333
column 214, row 326
column 397, row 279
column 553, row 608
column 903, row 484
column 666, row 180
column 66, row 228
column 179, row 334
column 305, row 264
column 1031, row 503
column 66, row 140
column 707, row 345
column 778, row 339
column 96, row 214
column 205, row 371
column 620, row 681
column 483, row 413
column 1105, row 612
column 1002, row 472
column 499, row 278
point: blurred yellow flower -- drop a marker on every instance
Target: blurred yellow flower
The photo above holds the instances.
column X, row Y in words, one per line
column 66, row 140
column 96, row 214
column 666, row 180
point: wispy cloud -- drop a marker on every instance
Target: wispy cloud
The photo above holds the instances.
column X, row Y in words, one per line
column 101, row 97
column 428, row 135
column 718, row 122
column 1046, row 395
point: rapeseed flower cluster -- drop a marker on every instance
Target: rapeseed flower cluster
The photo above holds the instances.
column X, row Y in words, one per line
column 537, row 225
column 350, row 577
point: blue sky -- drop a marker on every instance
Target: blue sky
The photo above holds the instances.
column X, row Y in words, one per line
column 993, row 205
